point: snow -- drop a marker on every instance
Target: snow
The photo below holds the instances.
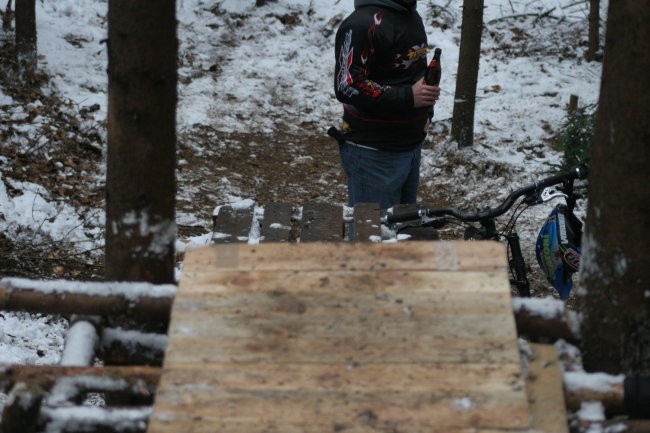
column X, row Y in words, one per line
column 34, row 211
column 286, row 70
column 602, row 382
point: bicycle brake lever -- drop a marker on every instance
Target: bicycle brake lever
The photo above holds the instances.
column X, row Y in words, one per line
column 435, row 222
column 550, row 193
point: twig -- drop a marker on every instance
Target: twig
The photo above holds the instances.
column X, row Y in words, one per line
column 546, row 14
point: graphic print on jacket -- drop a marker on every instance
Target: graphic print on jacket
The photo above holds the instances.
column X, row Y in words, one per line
column 380, row 54
column 345, row 80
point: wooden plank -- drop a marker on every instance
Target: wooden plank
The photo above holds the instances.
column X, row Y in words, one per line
column 232, row 225
column 175, row 422
column 404, row 409
column 452, row 290
column 441, row 380
column 276, row 225
column 546, row 390
column 456, row 256
column 377, row 327
column 367, row 226
column 321, row 222
column 284, row 349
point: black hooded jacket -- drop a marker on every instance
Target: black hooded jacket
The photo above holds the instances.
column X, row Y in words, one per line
column 380, row 53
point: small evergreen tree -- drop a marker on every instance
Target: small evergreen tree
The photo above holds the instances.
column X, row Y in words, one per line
column 576, row 137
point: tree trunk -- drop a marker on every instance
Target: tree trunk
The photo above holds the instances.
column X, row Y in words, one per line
column 26, row 50
column 615, row 273
column 462, row 129
column 594, row 30
column 140, row 197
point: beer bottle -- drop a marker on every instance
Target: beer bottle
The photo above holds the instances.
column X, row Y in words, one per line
column 432, row 75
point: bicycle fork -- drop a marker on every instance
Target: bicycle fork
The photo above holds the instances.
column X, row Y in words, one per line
column 518, row 264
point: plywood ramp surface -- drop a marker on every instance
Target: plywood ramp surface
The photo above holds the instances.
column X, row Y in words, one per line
column 409, row 337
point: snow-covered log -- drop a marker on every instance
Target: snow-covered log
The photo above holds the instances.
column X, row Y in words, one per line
column 546, row 318
column 607, row 389
column 88, row 419
column 141, row 301
column 80, row 344
column 128, row 347
column 133, row 380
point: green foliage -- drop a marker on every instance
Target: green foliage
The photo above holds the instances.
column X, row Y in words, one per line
column 576, row 136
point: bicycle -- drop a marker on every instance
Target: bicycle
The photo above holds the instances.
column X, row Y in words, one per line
column 542, row 191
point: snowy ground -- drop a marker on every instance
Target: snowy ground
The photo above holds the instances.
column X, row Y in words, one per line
column 250, row 75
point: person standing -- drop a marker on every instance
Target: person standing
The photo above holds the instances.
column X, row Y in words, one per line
column 381, row 57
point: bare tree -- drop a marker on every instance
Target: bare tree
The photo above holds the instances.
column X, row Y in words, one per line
column 594, row 30
column 615, row 271
column 462, row 129
column 140, row 197
column 26, row 50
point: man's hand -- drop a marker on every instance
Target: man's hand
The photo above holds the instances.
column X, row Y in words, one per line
column 424, row 95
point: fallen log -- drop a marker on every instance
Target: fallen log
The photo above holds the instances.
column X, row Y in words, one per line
column 142, row 302
column 545, row 318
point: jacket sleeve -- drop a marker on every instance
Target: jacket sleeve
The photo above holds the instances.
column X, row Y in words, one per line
column 355, row 52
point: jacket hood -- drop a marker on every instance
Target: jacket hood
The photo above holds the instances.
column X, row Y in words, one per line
column 392, row 4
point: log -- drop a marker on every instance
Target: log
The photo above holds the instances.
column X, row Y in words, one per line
column 139, row 301
column 94, row 419
column 545, row 318
column 605, row 388
column 21, row 411
column 126, row 347
column 612, row 425
column 135, row 380
column 80, row 343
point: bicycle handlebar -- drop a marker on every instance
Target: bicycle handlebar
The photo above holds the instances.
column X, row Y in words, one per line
column 487, row 213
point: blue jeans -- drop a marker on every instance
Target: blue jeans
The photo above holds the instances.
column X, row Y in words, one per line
column 376, row 176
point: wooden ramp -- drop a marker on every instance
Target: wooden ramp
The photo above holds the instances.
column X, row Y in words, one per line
column 337, row 337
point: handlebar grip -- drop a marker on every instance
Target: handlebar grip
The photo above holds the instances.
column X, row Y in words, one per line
column 574, row 173
column 407, row 216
